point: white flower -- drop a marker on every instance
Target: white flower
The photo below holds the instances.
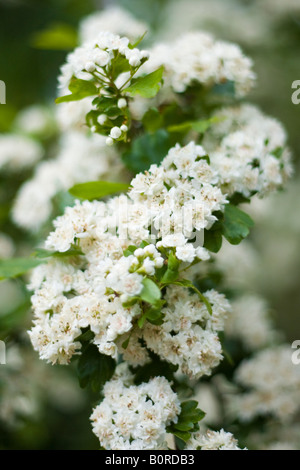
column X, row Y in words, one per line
column 18, row 152
column 272, row 382
column 186, row 253
column 122, row 103
column 114, row 19
column 102, row 118
column 115, row 132
column 135, row 417
column 212, row 440
column 109, row 141
column 249, row 151
column 197, row 57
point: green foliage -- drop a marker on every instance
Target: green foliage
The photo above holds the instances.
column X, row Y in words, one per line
column 213, row 238
column 236, row 224
column 147, row 86
column 197, row 126
column 97, row 189
column 146, row 150
column 152, row 120
column 15, row 317
column 277, row 153
column 15, row 267
column 41, row 253
column 138, row 42
column 188, row 420
column 94, row 368
column 79, row 89
column 58, row 36
column 153, row 315
column 151, row 292
column 172, row 271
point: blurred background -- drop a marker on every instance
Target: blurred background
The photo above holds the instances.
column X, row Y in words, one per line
column 35, row 37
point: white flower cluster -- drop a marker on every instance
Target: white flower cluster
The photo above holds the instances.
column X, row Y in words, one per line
column 212, row 440
column 81, row 158
column 18, row 152
column 97, row 54
column 188, row 337
column 115, row 19
column 91, row 294
column 251, row 323
column 248, row 23
column 36, row 120
column 197, row 57
column 273, row 382
column 134, row 417
column 182, row 196
column 72, row 115
column 248, row 150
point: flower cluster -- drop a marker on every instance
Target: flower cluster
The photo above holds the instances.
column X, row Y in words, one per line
column 273, row 384
column 81, row 158
column 18, row 152
column 248, row 150
column 213, row 440
column 188, row 337
column 105, row 279
column 96, row 57
column 250, row 322
column 182, row 196
column 37, row 121
column 135, row 417
column 102, row 67
column 114, row 19
column 197, row 58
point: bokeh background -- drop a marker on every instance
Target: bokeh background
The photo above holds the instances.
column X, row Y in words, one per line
column 42, row 406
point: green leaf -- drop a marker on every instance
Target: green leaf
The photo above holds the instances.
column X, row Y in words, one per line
column 151, row 292
column 94, row 368
column 120, row 65
column 86, row 336
column 126, row 343
column 213, row 240
column 97, row 189
column 41, row 253
column 79, row 89
column 146, row 150
column 136, row 44
column 225, row 89
column 142, row 320
column 172, row 271
column 236, row 224
column 184, row 426
column 147, row 86
column 278, row 152
column 188, row 420
column 152, row 120
column 129, row 251
column 184, row 436
column 197, row 126
column 58, row 36
column 15, row 317
column 14, row 267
